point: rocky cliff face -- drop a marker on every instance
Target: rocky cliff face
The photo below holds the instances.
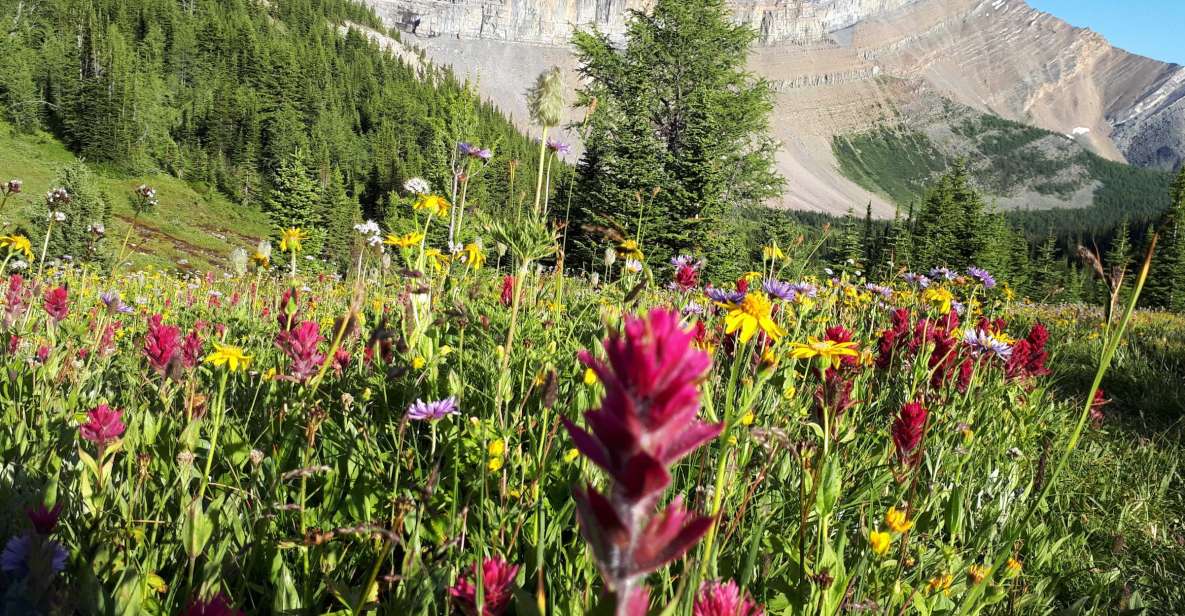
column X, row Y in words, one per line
column 842, row 66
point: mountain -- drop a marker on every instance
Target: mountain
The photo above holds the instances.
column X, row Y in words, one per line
column 845, row 70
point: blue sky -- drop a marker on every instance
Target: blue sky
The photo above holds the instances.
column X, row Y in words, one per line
column 1154, row 28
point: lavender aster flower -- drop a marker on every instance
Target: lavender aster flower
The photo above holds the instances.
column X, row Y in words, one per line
column 781, row 290
column 693, row 309
column 983, row 343
column 883, row 291
column 26, row 552
column 983, row 276
column 558, row 147
column 432, row 411
column 114, row 304
column 805, row 289
column 917, row 280
column 943, row 273
column 720, row 296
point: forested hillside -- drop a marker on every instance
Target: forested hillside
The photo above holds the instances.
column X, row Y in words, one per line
column 225, row 93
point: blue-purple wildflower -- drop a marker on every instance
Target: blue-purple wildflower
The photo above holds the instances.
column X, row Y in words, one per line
column 781, row 290
column 883, row 291
column 804, row 289
column 943, row 273
column 983, row 343
column 432, row 411
column 23, row 550
column 559, row 147
column 917, row 280
column 983, row 276
column 720, row 296
column 114, row 304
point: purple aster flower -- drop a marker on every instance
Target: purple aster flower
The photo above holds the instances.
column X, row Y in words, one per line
column 114, row 305
column 983, row 343
column 432, row 411
column 467, row 149
column 558, row 147
column 983, row 276
column 880, row 290
column 943, row 273
column 687, row 261
column 917, row 280
column 720, row 296
column 805, row 289
column 693, row 309
column 781, row 290
column 26, row 552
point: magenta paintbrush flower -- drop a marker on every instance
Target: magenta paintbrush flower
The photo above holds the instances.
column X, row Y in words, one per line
column 907, row 431
column 724, row 599
column 57, row 303
column 103, row 425
column 218, row 605
column 300, row 345
column 497, row 578
column 161, row 344
column 646, row 423
column 44, row 519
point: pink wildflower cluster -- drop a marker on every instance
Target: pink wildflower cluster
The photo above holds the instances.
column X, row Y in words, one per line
column 167, row 351
column 724, row 599
column 497, row 579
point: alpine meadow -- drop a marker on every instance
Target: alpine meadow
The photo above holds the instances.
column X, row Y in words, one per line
column 579, row 307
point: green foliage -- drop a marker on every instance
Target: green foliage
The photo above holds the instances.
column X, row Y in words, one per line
column 87, row 212
column 897, row 163
column 1166, row 284
column 679, row 137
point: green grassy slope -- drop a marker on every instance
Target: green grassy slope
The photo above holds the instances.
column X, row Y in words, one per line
column 191, row 228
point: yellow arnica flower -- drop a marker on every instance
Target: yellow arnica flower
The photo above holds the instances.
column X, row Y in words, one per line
column 260, row 259
column 291, row 238
column 437, row 258
column 434, row 204
column 1014, row 566
column 773, row 253
column 475, row 257
column 976, row 573
column 753, row 313
column 17, row 243
column 590, row 377
column 406, row 240
column 941, row 582
column 828, row 351
column 232, row 356
column 496, row 448
column 880, row 542
column 629, row 249
column 897, row 520
column 940, row 297
column 495, row 464
column 572, row 455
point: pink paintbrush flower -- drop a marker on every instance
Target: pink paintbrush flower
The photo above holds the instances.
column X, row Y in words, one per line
column 724, row 599
column 57, row 303
column 300, row 345
column 161, row 344
column 907, row 431
column 103, row 425
column 497, row 577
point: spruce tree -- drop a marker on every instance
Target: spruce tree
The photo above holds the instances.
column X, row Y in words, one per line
column 86, row 210
column 1047, row 272
column 676, row 112
column 341, row 214
column 1166, row 280
column 295, row 198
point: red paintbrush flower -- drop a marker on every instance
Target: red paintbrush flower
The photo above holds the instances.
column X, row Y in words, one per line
column 907, row 432
column 14, row 300
column 646, row 423
column 192, row 349
column 161, row 344
column 44, row 519
column 497, row 578
column 716, row 599
column 218, row 605
column 1096, row 408
column 300, row 345
column 57, row 303
column 507, row 291
column 103, row 425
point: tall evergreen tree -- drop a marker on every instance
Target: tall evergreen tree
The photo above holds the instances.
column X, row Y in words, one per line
column 295, row 198
column 341, row 214
column 676, row 111
column 1166, row 280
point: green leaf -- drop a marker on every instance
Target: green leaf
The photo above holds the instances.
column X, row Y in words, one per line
column 829, row 487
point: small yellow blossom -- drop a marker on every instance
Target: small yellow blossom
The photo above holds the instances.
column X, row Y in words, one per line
column 418, row 363
column 571, row 455
column 1014, row 566
column 590, row 377
column 291, row 238
column 748, row 418
column 475, row 257
column 976, row 573
column 495, row 464
column 436, row 258
column 232, row 356
column 941, row 582
column 496, row 448
column 773, row 253
column 433, row 203
column 880, row 542
column 829, row 352
column 407, row 240
column 897, row 520
column 629, row 249
column 941, row 298
column 753, row 277
column 753, row 313
column 17, row 244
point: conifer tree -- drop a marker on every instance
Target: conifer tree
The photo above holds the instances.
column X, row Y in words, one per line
column 341, row 214
column 896, row 252
column 86, row 211
column 1047, row 274
column 676, row 111
column 1166, row 280
column 295, row 200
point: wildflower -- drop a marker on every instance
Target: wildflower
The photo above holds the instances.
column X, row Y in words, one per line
column 879, row 541
column 717, row 599
column 497, row 577
column 897, row 520
column 291, row 238
column 804, row 290
column 12, row 187
column 773, row 253
column 507, row 296
column 781, row 290
column 917, row 280
column 829, row 352
column 473, row 151
column 114, row 304
column 686, row 273
column 1096, row 408
column 44, row 519
column 495, row 464
column 57, row 303
column 941, row 298
column 432, row 411
column 232, row 356
column 983, row 276
column 753, row 313
column 720, row 296
column 571, row 455
column 436, row 258
column 559, row 148
column 57, row 196
column 1014, row 566
column 941, row 582
column 417, row 186
column 26, row 554
column 474, row 255
column 646, row 423
column 161, row 344
column 300, row 345
column 218, row 605
column 908, row 429
column 983, row 344
column 590, row 377
column 943, row 273
column 368, row 228
column 633, row 266
column 433, row 204
column 17, row 244
column 103, row 426
column 406, row 240
column 629, row 249
column 976, row 573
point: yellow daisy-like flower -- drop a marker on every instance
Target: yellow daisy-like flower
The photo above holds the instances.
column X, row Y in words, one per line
column 940, row 297
column 829, row 352
column 773, row 253
column 475, row 257
column 261, row 260
column 433, row 203
column 572, row 455
column 231, row 356
column 1014, row 566
column 897, row 520
column 291, row 238
column 436, row 258
column 495, row 464
column 880, row 542
column 17, row 243
column 629, row 249
column 406, row 240
column 753, row 313
column 976, row 573
column 496, row 448
column 941, row 582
